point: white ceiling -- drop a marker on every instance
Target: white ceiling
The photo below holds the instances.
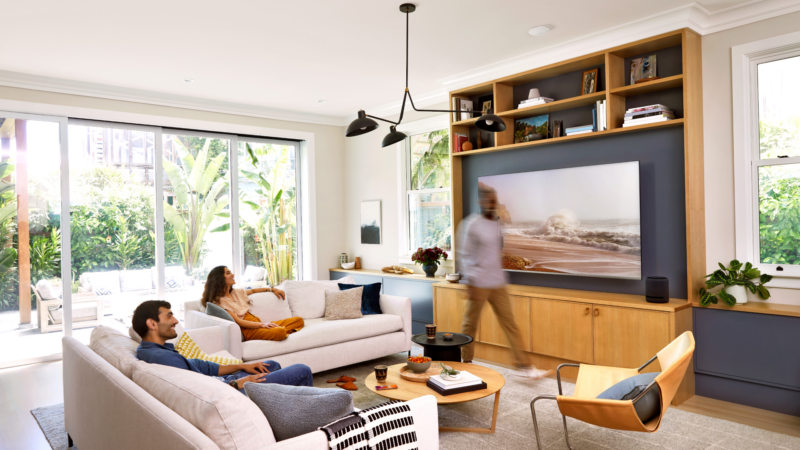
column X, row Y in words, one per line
column 289, row 55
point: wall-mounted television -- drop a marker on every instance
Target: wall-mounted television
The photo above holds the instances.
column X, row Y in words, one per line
column 581, row 221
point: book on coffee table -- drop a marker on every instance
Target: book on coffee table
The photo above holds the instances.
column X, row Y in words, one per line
column 467, row 383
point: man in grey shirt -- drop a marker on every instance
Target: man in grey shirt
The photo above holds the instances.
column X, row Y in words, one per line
column 480, row 257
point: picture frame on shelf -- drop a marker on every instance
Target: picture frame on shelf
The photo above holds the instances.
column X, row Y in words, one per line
column 486, row 106
column 466, row 109
column 589, row 81
column 644, row 69
column 531, row 129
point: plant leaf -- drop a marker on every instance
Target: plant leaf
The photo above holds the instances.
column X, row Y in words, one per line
column 221, row 228
column 729, row 299
column 765, row 278
column 763, row 292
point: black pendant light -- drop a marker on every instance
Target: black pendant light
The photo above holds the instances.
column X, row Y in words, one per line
column 364, row 123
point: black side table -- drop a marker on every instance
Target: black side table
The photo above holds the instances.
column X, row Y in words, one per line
column 440, row 350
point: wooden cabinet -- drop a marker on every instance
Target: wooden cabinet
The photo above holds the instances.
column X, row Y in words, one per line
column 628, row 337
column 492, row 333
column 562, row 329
column 448, row 310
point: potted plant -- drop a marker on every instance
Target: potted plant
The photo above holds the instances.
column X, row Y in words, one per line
column 729, row 284
column 429, row 259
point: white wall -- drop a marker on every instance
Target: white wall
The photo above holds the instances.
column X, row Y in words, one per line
column 329, row 150
column 718, row 138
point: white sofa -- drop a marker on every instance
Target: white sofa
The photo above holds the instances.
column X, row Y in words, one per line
column 322, row 344
column 113, row 400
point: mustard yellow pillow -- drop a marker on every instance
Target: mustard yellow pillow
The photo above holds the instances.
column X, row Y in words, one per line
column 187, row 347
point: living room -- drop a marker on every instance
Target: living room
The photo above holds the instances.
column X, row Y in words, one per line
column 640, row 161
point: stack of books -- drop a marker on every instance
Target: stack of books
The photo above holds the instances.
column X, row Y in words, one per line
column 579, row 130
column 647, row 114
column 467, row 383
column 600, row 114
column 463, row 108
column 459, row 141
column 534, row 101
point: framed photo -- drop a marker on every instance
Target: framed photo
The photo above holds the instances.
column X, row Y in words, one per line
column 466, row 109
column 589, row 82
column 486, row 107
column 371, row 222
column 531, row 129
column 643, row 68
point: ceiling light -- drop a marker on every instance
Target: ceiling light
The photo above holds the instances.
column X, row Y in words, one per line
column 539, row 31
column 364, row 123
column 188, row 80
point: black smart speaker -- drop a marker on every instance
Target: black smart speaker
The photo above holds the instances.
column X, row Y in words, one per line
column 657, row 289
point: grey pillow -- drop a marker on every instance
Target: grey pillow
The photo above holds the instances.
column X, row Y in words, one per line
column 296, row 410
column 217, row 311
column 648, row 406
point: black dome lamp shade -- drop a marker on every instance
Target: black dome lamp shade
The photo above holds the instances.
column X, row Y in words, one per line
column 393, row 137
column 364, row 123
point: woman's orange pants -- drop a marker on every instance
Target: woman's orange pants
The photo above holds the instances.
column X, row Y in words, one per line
column 285, row 328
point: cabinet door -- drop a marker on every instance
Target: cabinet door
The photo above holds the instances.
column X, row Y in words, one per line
column 492, row 333
column 628, row 337
column 562, row 329
column 448, row 309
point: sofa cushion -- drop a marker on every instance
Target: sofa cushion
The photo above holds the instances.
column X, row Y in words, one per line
column 173, row 277
column 340, row 305
column 135, row 280
column 296, row 410
column 116, row 348
column 222, row 413
column 370, row 298
column 190, row 350
column 102, row 283
column 321, row 332
column 307, row 298
column 268, row 307
column 218, row 311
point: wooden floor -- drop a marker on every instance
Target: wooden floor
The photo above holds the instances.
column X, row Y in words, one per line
column 745, row 415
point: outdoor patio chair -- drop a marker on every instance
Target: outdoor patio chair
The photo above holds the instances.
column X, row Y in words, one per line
column 620, row 414
column 87, row 311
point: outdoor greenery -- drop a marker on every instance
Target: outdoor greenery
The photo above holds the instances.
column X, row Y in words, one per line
column 9, row 277
column 749, row 277
column 431, row 169
column 779, row 193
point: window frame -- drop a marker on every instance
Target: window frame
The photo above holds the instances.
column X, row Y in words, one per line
column 403, row 148
column 746, row 148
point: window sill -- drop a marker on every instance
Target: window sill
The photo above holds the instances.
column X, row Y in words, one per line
column 784, row 283
column 407, row 260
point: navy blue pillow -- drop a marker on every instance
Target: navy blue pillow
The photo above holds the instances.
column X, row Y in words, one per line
column 648, row 406
column 370, row 298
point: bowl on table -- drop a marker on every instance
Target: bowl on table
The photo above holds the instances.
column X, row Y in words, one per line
column 452, row 277
column 348, row 265
column 418, row 367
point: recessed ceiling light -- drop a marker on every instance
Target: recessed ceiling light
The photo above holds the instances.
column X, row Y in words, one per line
column 322, row 101
column 538, row 31
column 188, row 80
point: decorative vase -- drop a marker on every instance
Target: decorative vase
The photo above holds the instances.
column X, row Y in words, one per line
column 739, row 292
column 430, row 269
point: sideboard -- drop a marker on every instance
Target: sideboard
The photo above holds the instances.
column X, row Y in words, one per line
column 570, row 326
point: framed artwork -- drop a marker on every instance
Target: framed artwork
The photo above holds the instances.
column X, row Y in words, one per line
column 531, row 129
column 486, row 107
column 371, row 222
column 589, row 82
column 643, row 68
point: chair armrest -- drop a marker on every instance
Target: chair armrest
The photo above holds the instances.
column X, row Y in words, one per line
column 231, row 333
column 210, row 339
column 398, row 306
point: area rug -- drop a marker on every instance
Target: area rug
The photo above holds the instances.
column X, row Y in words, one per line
column 680, row 430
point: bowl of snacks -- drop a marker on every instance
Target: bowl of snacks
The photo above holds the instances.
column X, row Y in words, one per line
column 418, row 364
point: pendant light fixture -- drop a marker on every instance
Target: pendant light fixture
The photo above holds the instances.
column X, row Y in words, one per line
column 364, row 123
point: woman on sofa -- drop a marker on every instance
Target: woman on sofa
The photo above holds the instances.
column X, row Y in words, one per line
column 219, row 291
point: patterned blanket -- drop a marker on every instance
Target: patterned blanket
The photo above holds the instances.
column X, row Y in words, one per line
column 383, row 427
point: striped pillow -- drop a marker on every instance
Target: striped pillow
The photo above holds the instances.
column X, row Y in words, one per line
column 189, row 350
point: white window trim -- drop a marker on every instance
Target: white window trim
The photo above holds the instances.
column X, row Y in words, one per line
column 744, row 65
column 411, row 128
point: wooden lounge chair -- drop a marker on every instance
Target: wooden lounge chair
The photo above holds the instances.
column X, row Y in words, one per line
column 620, row 414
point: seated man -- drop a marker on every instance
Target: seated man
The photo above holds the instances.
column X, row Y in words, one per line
column 154, row 322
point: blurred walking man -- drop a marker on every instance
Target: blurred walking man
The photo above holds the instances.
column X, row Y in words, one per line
column 480, row 257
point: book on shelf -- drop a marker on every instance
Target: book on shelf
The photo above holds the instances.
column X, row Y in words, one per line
column 580, row 128
column 457, row 109
column 633, row 123
column 601, row 115
column 466, row 109
column 572, row 133
column 536, row 101
column 594, row 118
column 645, row 108
column 467, row 379
column 459, row 141
column 647, row 112
column 644, row 119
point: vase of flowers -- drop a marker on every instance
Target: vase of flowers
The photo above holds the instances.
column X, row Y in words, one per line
column 429, row 259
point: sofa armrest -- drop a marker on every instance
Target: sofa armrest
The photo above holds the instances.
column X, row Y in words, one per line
column 399, row 306
column 210, row 339
column 231, row 333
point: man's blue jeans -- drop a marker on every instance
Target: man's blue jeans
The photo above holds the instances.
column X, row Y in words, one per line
column 294, row 375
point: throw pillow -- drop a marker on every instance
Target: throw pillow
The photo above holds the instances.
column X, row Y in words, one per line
column 48, row 291
column 102, row 291
column 218, row 311
column 648, row 406
column 189, row 349
column 307, row 298
column 341, row 305
column 370, row 299
column 296, row 410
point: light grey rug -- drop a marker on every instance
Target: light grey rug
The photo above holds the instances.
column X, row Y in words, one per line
column 680, row 430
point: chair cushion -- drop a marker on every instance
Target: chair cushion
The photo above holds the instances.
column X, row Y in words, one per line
column 135, row 280
column 47, row 290
column 222, row 413
column 218, row 311
column 268, row 307
column 116, row 348
column 307, row 298
column 190, row 350
column 253, row 273
column 320, row 333
column 103, row 283
column 296, row 410
column 173, row 277
column 340, row 305
column 370, row 299
column 649, row 406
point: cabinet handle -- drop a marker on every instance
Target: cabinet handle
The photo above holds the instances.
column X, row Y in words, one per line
column 596, row 312
column 587, row 311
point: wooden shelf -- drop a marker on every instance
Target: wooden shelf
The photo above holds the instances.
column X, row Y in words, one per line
column 553, row 70
column 478, row 89
column 670, row 123
column 776, row 309
column 378, row 273
column 560, row 105
column 466, row 123
column 649, row 45
column 651, row 86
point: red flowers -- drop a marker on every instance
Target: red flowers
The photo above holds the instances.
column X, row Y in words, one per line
column 429, row 255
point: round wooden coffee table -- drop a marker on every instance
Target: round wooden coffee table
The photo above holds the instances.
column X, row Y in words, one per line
column 438, row 349
column 409, row 390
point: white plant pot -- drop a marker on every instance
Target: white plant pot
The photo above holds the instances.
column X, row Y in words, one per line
column 739, row 292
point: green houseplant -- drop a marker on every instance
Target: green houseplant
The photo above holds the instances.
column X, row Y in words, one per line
column 729, row 284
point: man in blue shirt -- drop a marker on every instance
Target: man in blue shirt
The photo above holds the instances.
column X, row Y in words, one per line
column 154, row 322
